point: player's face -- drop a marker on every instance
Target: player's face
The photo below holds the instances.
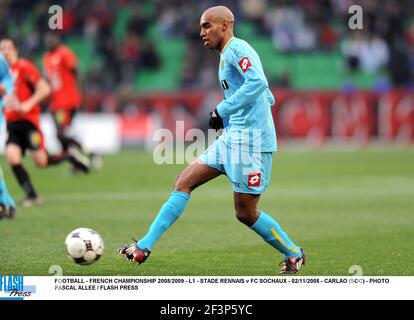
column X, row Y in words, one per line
column 8, row 50
column 51, row 41
column 211, row 32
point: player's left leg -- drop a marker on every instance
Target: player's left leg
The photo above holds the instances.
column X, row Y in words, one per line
column 14, row 158
column 196, row 174
column 63, row 119
column 42, row 160
column 8, row 207
column 252, row 178
column 70, row 146
column 268, row 228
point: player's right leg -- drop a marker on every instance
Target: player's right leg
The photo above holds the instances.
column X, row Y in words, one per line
column 43, row 160
column 22, row 135
column 269, row 229
column 14, row 158
column 35, row 142
column 63, row 120
column 252, row 173
column 7, row 205
column 192, row 177
column 71, row 148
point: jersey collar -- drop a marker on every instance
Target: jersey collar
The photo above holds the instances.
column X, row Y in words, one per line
column 225, row 46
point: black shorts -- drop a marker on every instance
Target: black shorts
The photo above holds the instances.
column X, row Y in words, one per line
column 63, row 118
column 25, row 135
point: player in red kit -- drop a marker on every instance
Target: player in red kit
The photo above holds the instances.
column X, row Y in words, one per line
column 22, row 112
column 60, row 65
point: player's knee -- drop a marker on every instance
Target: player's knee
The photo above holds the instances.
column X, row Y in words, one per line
column 13, row 158
column 181, row 185
column 246, row 215
column 41, row 163
column 242, row 217
column 40, row 159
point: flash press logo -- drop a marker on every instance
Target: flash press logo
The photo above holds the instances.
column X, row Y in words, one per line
column 13, row 288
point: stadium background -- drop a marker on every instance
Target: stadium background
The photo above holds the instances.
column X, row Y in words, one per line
column 143, row 60
column 143, row 67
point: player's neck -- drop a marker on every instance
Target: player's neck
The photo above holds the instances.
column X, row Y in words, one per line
column 13, row 61
column 225, row 42
column 53, row 49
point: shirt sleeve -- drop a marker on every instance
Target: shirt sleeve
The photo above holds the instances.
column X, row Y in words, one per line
column 32, row 75
column 254, row 84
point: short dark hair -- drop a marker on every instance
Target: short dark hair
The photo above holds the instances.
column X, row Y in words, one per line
column 11, row 40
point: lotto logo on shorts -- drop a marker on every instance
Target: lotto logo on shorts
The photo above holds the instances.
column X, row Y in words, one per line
column 245, row 64
column 254, row 180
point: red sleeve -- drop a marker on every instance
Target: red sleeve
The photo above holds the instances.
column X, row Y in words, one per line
column 69, row 58
column 32, row 75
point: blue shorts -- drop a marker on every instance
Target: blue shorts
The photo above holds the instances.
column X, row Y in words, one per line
column 248, row 171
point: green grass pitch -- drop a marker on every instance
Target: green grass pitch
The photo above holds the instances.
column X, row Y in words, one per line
column 343, row 208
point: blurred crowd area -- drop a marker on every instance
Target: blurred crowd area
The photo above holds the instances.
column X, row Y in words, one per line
column 128, row 46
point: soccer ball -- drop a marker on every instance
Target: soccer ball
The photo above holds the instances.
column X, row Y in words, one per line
column 84, row 246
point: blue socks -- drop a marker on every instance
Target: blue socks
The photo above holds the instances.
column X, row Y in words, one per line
column 265, row 226
column 169, row 213
column 272, row 233
column 5, row 197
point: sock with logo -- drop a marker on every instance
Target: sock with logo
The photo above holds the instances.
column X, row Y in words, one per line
column 272, row 233
column 169, row 213
column 5, row 197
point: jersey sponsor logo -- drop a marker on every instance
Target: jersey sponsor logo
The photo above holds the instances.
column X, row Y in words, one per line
column 236, row 52
column 245, row 64
column 224, row 84
column 254, row 179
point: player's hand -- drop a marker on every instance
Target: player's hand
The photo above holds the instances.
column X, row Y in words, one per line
column 2, row 90
column 216, row 122
column 11, row 102
column 25, row 106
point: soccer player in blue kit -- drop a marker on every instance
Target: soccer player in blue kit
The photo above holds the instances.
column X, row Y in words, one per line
column 7, row 205
column 243, row 152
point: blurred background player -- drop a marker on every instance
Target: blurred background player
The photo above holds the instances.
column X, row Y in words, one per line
column 7, row 206
column 22, row 113
column 60, row 65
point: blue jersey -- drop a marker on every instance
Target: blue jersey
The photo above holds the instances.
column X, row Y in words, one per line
column 7, row 81
column 246, row 108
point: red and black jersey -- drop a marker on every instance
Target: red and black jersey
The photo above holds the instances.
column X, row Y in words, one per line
column 25, row 76
column 60, row 67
